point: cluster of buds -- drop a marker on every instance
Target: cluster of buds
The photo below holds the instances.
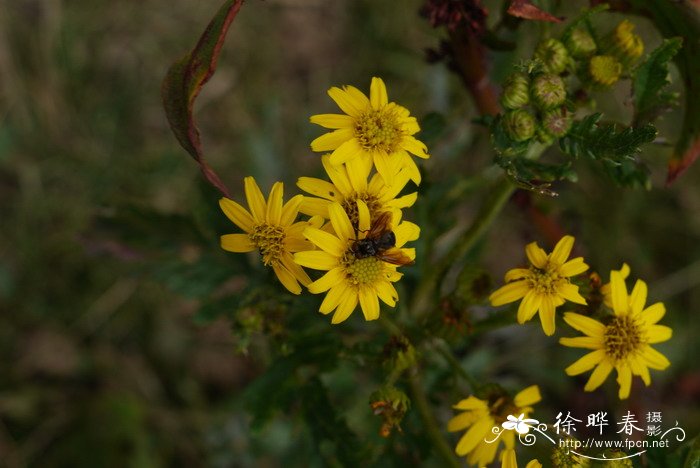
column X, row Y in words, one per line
column 391, row 404
column 535, row 99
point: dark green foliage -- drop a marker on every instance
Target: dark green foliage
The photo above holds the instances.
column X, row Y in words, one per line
column 613, row 147
column 650, row 80
column 534, row 175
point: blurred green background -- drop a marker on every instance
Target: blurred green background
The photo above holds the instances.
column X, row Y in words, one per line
column 109, row 239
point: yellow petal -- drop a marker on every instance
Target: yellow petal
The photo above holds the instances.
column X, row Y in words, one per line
column 333, row 121
column 361, row 100
column 347, row 102
column 654, row 313
column 598, row 375
column 237, row 214
column 573, row 267
column 255, row 198
column 618, row 289
column 528, row 396
column 318, row 187
column 461, row 421
column 472, row 403
column 638, row 298
column 536, row 255
column 287, row 279
column 332, row 278
column 339, row 176
column 511, row 292
column 547, row 316
column 357, row 175
column 377, row 93
column 345, row 308
column 332, row 140
column 508, row 459
column 406, row 232
column 655, row 359
column 533, row 464
column 624, row 379
column 638, row 368
column 404, row 201
column 414, row 146
column 313, row 206
column 588, row 342
column 274, row 204
column 348, row 151
column 237, row 243
column 325, row 241
column 562, row 250
column 659, row 333
column 341, row 224
column 385, row 167
column 369, row 303
column 295, row 269
column 529, row 306
column 516, row 274
column 290, row 210
column 316, row 259
column 386, row 292
column 570, row 292
column 585, row 363
column 474, row 435
column 409, row 165
column 585, row 324
column 333, row 297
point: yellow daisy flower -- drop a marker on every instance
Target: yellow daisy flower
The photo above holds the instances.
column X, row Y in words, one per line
column 372, row 129
column 350, row 280
column 480, row 416
column 346, row 187
column 545, row 285
column 622, row 342
column 269, row 227
column 508, row 460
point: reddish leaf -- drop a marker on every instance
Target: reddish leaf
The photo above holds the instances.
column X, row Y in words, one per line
column 526, row 10
column 185, row 80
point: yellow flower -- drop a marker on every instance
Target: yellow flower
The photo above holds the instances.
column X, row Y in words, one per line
column 508, row 460
column 480, row 416
column 372, row 129
column 270, row 228
column 622, row 342
column 545, row 285
column 350, row 280
column 348, row 186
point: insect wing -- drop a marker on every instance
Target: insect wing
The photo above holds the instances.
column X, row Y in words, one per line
column 380, row 225
column 395, row 257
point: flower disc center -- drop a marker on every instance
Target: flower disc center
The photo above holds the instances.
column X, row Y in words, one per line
column 364, row 270
column 379, row 130
column 269, row 240
column 623, row 336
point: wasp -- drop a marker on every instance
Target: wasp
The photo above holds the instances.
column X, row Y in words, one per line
column 380, row 242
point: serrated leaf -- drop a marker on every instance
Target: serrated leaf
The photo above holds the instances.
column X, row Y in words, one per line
column 605, row 142
column 650, row 79
column 185, row 80
column 535, row 176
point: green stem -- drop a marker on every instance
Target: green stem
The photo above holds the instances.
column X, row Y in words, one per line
column 445, row 352
column 420, row 402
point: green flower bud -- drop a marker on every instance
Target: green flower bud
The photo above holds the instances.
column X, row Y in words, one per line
column 624, row 44
column 548, row 91
column 553, row 55
column 519, row 124
column 543, row 136
column 580, row 43
column 516, row 91
column 604, row 70
column 556, row 122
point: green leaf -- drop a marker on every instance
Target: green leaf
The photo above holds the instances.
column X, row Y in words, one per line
column 185, row 80
column 582, row 19
column 650, row 79
column 535, row 176
column 604, row 141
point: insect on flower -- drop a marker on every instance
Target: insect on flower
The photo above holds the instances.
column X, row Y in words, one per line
column 380, row 242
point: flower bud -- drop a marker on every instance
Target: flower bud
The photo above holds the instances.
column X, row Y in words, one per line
column 548, row 91
column 556, row 122
column 624, row 44
column 519, row 124
column 516, row 91
column 391, row 404
column 553, row 55
column 604, row 70
column 580, row 43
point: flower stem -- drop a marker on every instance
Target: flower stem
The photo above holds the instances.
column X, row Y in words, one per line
column 420, row 402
